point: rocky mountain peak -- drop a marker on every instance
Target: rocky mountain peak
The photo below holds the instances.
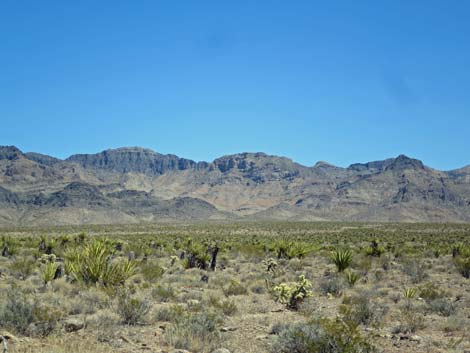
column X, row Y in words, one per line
column 10, row 153
column 404, row 162
column 133, row 159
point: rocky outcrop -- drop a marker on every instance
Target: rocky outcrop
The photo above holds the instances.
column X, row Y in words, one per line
column 134, row 184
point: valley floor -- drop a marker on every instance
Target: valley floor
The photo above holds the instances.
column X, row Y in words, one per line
column 403, row 290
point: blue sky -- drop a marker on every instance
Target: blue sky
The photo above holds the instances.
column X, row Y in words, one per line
column 341, row 81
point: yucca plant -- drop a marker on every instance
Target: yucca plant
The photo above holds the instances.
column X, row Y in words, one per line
column 342, row 258
column 292, row 249
column 93, row 264
column 462, row 261
column 409, row 293
column 351, row 277
column 48, row 273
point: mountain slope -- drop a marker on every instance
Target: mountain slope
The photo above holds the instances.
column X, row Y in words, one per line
column 133, row 184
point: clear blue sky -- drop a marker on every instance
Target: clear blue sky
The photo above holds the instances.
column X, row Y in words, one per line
column 341, row 81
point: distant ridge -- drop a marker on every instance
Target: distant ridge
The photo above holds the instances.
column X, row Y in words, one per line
column 135, row 184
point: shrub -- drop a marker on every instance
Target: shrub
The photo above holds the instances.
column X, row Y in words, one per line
column 197, row 332
column 131, row 308
column 361, row 309
column 23, row 267
column 171, row 313
column 409, row 293
column 430, row 292
column 293, row 295
column 332, row 285
column 442, row 306
column 48, row 272
column 416, row 270
column 235, row 288
column 374, row 249
column 410, row 322
column 196, row 256
column 17, row 313
column 462, row 261
column 342, row 259
column 291, row 249
column 164, row 293
column 351, row 277
column 326, row 336
column 151, row 271
column 93, row 264
column 228, row 307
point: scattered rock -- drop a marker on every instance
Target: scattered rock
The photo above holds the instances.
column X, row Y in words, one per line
column 193, row 303
column 416, row 338
column 131, row 256
column 227, row 329
column 73, row 324
column 7, row 335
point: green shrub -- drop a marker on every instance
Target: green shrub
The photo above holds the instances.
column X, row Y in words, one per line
column 48, row 272
column 17, row 312
column 92, row 264
column 415, row 269
column 151, row 271
column 361, row 309
column 131, row 308
column 409, row 293
column 291, row 249
column 410, row 321
column 351, row 277
column 462, row 261
column 235, row 288
column 227, row 307
column 293, row 295
column 342, row 259
column 374, row 249
column 325, row 336
column 442, row 306
column 170, row 313
column 23, row 266
column 430, row 292
column 194, row 332
column 164, row 293
column 332, row 285
column 196, row 256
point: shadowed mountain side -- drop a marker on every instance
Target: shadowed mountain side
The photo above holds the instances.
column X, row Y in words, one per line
column 128, row 185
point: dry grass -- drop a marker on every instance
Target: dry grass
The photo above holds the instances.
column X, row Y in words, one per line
column 234, row 306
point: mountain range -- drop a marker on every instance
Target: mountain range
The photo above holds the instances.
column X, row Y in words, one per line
column 134, row 184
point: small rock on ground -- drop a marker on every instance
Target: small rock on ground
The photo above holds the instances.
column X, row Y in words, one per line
column 73, row 324
column 221, row 350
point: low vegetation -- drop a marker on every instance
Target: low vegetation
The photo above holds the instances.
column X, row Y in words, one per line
column 243, row 287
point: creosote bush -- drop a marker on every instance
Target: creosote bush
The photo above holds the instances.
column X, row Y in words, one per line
column 131, row 308
column 361, row 309
column 325, row 336
column 235, row 288
column 197, row 332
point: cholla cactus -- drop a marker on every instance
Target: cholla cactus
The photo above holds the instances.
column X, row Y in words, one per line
column 293, row 295
column 173, row 259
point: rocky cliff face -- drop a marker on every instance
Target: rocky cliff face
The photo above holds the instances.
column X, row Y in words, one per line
column 134, row 159
column 128, row 185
